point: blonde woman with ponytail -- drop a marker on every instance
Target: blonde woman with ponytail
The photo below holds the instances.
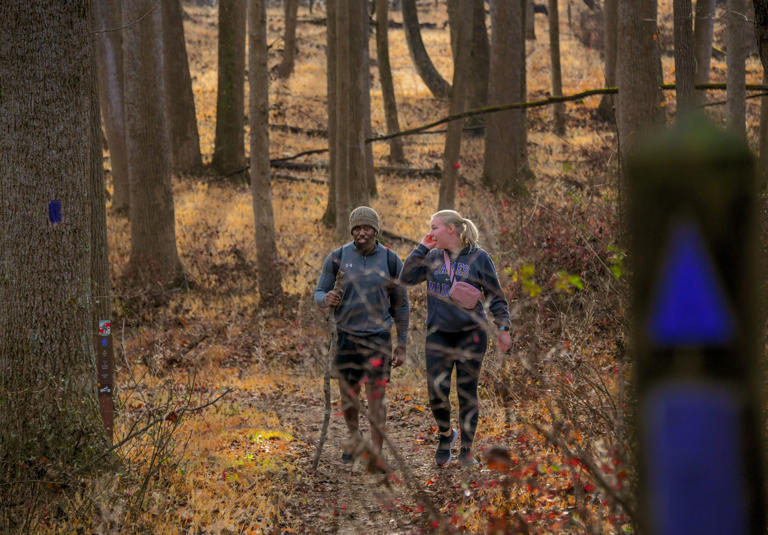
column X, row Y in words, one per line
column 456, row 338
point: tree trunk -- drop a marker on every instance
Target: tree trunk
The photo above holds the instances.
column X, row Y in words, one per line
column 452, row 150
column 530, row 21
column 703, row 29
column 229, row 143
column 107, row 16
column 365, row 93
column 50, row 156
column 480, row 52
column 154, row 257
column 607, row 107
column 736, row 103
column 343, row 118
column 396, row 153
column 270, row 286
column 557, row 79
column 427, row 71
column 180, row 106
column 761, row 36
column 506, row 152
column 685, row 59
column 329, row 217
column 638, row 79
column 289, row 38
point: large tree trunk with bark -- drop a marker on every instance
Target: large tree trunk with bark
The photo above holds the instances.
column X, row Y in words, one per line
column 329, row 217
column 424, row 66
column 736, row 103
column 270, row 286
column 290, row 11
column 107, row 17
column 396, row 153
column 229, row 143
column 639, row 98
column 51, row 159
column 607, row 107
column 154, row 257
column 506, row 152
column 558, row 109
column 685, row 59
column 180, row 105
column 452, row 149
column 365, row 93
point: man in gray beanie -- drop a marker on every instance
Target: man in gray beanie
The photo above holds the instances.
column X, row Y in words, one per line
column 360, row 282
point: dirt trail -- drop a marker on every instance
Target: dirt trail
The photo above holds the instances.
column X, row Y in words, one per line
column 346, row 498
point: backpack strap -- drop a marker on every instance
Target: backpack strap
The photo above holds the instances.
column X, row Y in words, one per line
column 336, row 260
column 391, row 263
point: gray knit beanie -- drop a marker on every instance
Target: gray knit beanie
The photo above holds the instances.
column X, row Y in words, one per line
column 363, row 215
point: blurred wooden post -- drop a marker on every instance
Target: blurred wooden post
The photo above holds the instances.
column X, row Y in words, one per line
column 697, row 332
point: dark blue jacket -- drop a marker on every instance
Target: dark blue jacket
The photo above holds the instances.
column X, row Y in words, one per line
column 474, row 266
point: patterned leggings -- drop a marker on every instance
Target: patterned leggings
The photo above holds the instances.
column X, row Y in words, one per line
column 465, row 351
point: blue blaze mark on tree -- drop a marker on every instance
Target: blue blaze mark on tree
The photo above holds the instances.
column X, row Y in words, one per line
column 689, row 306
column 696, row 480
column 54, row 211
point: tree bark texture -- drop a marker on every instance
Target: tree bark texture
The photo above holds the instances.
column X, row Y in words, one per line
column 365, row 92
column 761, row 35
column 506, row 152
column 290, row 11
column 637, row 74
column 703, row 29
column 343, row 114
column 180, row 105
column 685, row 58
column 229, row 143
column 421, row 60
column 396, row 152
column 154, row 257
column 270, row 280
column 329, row 217
column 530, row 21
column 558, row 110
column 607, row 107
column 480, row 53
column 736, row 54
column 351, row 182
column 452, row 149
column 107, row 15
column 50, row 156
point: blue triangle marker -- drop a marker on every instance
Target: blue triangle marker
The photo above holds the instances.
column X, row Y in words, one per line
column 689, row 307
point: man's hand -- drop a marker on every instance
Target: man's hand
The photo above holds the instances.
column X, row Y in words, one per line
column 399, row 356
column 332, row 298
column 504, row 341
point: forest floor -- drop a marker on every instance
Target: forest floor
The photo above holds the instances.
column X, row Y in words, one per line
column 549, row 439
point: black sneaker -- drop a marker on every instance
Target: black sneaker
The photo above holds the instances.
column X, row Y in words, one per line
column 466, row 459
column 349, row 457
column 443, row 454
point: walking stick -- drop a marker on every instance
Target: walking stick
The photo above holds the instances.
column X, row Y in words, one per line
column 327, row 377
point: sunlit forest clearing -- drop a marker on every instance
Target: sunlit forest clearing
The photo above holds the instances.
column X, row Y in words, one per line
column 238, row 387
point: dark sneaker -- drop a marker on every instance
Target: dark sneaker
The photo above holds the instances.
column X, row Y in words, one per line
column 443, row 454
column 466, row 459
column 351, row 447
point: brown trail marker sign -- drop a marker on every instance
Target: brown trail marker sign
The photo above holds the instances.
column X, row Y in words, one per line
column 696, row 332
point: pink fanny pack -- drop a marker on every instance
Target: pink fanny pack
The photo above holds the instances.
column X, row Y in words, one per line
column 462, row 293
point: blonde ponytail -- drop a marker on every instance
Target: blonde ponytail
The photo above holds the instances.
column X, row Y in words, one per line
column 465, row 227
